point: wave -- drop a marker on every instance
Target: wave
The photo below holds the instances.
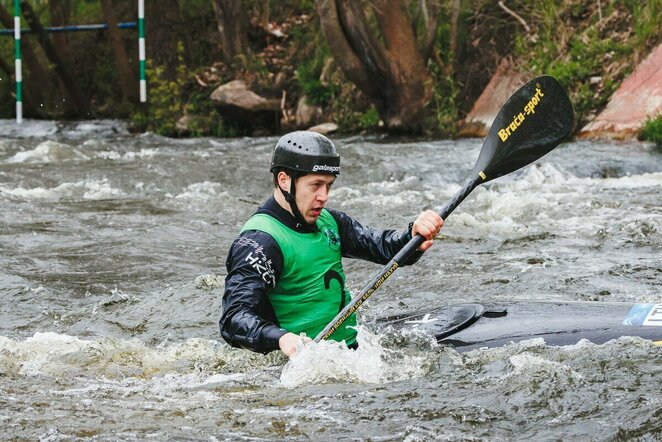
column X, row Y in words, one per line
column 49, row 152
column 86, row 190
column 54, row 354
column 71, row 129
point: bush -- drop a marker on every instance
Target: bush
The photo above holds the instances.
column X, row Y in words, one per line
column 652, row 130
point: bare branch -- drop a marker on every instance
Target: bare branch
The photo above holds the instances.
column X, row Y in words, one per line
column 514, row 14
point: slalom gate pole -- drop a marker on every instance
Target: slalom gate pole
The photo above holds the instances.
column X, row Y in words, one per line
column 75, row 28
column 17, row 62
column 141, row 50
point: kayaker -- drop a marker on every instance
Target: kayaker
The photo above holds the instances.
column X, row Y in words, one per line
column 285, row 274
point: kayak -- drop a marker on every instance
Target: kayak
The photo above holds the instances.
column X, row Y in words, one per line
column 472, row 326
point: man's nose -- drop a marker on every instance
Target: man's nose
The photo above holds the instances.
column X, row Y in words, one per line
column 323, row 194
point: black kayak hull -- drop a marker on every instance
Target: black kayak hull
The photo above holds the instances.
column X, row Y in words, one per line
column 471, row 326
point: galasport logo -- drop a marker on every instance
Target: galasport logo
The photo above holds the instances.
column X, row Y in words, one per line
column 326, row 168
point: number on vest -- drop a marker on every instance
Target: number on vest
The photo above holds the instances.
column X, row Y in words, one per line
column 330, row 275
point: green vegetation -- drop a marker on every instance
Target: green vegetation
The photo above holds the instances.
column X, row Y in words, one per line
column 165, row 102
column 652, row 130
column 588, row 46
column 314, row 87
column 178, row 100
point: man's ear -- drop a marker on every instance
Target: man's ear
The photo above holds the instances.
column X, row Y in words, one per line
column 283, row 180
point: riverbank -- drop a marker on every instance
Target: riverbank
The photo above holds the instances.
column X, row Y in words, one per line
column 290, row 78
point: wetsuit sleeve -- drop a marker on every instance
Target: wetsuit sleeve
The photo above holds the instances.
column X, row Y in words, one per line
column 359, row 241
column 248, row 321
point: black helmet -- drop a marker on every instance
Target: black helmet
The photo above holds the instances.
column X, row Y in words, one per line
column 305, row 152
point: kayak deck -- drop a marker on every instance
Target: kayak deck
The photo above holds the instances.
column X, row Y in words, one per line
column 471, row 326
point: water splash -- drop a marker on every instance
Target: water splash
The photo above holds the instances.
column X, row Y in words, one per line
column 379, row 359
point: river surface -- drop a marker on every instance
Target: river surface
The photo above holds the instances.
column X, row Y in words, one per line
column 112, row 261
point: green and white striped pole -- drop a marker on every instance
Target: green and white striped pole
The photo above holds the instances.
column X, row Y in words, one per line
column 141, row 50
column 17, row 63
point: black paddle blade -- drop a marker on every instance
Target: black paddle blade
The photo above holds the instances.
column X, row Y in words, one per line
column 534, row 120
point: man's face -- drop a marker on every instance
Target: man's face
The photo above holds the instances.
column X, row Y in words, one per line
column 312, row 192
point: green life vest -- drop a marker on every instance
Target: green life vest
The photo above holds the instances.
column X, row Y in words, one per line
column 311, row 289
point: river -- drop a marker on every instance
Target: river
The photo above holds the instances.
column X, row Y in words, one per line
column 111, row 275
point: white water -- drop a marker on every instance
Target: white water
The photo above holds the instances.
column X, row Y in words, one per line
column 112, row 268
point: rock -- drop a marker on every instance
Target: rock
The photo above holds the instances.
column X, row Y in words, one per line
column 504, row 82
column 236, row 95
column 236, row 102
column 324, row 128
column 638, row 98
column 182, row 125
column 306, row 114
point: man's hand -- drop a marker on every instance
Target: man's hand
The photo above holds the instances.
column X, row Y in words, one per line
column 288, row 343
column 428, row 225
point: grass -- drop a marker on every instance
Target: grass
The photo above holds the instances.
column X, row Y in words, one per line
column 652, row 130
column 577, row 43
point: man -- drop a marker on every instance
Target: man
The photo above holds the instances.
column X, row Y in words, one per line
column 285, row 274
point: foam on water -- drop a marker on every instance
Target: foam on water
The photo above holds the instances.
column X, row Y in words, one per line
column 128, row 156
column 87, row 190
column 49, row 152
column 54, row 354
column 539, row 200
column 202, row 191
column 70, row 129
column 372, row 362
column 28, row 129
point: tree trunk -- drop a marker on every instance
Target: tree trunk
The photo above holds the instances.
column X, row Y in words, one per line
column 5, row 67
column 163, row 32
column 128, row 80
column 60, row 13
column 233, row 27
column 76, row 94
column 389, row 67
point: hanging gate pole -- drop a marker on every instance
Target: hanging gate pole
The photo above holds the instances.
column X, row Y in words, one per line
column 17, row 62
column 141, row 50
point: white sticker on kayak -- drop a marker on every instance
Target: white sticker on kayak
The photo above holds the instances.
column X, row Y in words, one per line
column 424, row 320
column 644, row 314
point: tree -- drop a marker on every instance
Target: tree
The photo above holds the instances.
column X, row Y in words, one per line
column 61, row 68
column 164, row 31
column 60, row 12
column 383, row 50
column 233, row 25
column 126, row 74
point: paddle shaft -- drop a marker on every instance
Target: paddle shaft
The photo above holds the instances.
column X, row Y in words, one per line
column 393, row 264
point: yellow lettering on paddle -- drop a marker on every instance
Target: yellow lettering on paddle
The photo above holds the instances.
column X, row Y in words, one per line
column 529, row 108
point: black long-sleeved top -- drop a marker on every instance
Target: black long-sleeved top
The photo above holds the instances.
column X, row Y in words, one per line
column 255, row 263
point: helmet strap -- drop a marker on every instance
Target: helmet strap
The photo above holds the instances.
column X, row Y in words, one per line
column 290, row 197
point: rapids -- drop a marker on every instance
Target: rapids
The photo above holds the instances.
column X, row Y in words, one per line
column 111, row 274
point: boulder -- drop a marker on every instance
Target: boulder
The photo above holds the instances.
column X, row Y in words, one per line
column 503, row 83
column 638, row 98
column 324, row 128
column 182, row 125
column 235, row 101
column 307, row 114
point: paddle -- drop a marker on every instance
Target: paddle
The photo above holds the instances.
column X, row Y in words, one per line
column 534, row 120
